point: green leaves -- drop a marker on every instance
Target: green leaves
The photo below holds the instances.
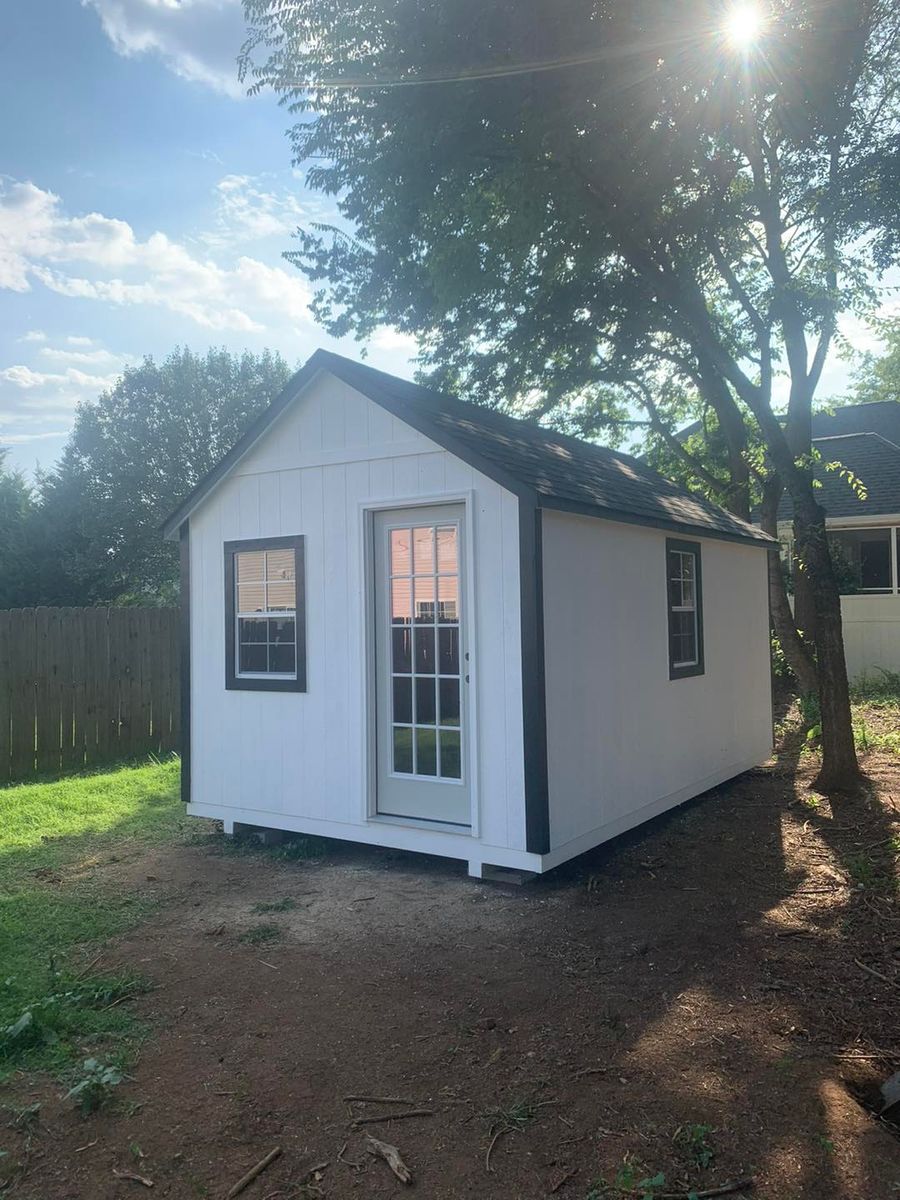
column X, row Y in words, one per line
column 135, row 452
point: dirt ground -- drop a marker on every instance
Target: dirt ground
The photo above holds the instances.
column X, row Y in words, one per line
column 723, row 967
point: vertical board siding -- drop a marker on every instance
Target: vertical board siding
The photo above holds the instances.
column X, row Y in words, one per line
column 85, row 686
column 306, row 755
column 622, row 735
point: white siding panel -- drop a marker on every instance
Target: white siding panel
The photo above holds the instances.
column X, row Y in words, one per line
column 871, row 633
column 302, row 756
column 625, row 741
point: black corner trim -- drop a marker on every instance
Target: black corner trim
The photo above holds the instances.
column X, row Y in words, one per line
column 233, row 681
column 700, row 667
column 184, row 537
column 534, row 696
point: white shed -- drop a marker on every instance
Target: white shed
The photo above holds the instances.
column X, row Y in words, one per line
column 416, row 622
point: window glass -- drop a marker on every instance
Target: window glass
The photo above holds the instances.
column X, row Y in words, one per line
column 861, row 559
column 425, row 694
column 266, row 605
column 683, row 593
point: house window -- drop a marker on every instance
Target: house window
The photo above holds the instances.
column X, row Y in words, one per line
column 264, row 615
column 683, row 582
column 863, row 560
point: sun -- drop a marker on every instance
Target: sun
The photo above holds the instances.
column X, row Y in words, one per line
column 743, row 25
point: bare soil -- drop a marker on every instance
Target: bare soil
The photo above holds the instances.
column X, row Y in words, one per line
column 721, row 967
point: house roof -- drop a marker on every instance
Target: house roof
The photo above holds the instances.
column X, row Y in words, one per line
column 882, row 417
column 549, row 468
column 872, row 459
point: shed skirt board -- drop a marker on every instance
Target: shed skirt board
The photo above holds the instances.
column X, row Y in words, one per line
column 421, row 657
column 445, row 844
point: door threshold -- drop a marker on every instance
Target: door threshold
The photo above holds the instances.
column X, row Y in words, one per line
column 422, row 823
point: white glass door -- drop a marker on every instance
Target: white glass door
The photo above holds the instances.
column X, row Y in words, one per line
column 421, row 658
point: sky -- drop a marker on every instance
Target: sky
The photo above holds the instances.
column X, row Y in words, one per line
column 145, row 203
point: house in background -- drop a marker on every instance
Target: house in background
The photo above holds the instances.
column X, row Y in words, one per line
column 864, row 532
column 416, row 622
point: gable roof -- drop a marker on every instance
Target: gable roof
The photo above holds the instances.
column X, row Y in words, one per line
column 881, row 416
column 550, row 469
column 873, row 459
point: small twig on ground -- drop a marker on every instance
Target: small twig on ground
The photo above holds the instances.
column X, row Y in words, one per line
column 413, row 1112
column 360, row 899
column 120, row 1000
column 86, row 1146
column 142, row 1179
column 271, row 966
column 726, row 1189
column 498, row 1134
column 391, row 1156
column 590, row 1071
column 247, row 1179
column 348, row 1162
column 877, row 974
column 376, row 1100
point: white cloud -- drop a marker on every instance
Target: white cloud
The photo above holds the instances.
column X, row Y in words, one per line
column 39, row 241
column 21, row 439
column 389, row 338
column 25, row 378
column 197, row 39
column 98, row 357
column 33, row 335
column 246, row 212
column 71, row 340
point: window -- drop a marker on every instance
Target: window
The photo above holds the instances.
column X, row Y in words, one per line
column 425, row 658
column 685, row 608
column 265, row 646
column 863, row 560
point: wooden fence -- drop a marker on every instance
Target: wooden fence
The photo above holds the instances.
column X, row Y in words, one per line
column 84, row 686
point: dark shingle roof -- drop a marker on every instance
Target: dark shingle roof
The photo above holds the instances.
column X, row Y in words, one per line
column 873, row 459
column 882, row 417
column 557, row 471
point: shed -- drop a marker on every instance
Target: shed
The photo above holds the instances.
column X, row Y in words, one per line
column 416, row 622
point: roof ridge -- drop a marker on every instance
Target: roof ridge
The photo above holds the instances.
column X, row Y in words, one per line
column 543, row 467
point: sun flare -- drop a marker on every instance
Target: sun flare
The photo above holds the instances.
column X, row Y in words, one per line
column 743, row 25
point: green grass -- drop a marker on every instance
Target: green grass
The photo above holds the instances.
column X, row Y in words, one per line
column 54, row 913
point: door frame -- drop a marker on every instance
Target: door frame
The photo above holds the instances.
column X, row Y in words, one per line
column 366, row 527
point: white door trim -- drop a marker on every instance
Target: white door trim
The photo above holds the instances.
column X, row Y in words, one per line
column 365, row 526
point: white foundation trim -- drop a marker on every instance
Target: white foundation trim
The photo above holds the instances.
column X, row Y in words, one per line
column 378, row 833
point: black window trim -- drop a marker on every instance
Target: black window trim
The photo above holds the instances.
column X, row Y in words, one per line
column 698, row 668
column 249, row 683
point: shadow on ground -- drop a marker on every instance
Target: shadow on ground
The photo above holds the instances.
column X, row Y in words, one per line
column 700, row 1000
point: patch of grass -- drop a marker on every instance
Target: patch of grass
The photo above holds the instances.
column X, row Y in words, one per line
column 300, row 848
column 631, row 1179
column 275, row 906
column 880, row 688
column 259, row 935
column 52, row 837
column 94, row 1087
column 694, row 1145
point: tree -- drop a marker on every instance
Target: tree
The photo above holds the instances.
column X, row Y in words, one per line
column 571, row 194
column 133, row 454
column 876, row 377
column 16, row 558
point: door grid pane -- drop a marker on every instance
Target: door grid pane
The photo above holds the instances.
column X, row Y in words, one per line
column 426, row 684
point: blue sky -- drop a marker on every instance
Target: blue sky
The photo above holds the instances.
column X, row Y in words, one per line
column 145, row 202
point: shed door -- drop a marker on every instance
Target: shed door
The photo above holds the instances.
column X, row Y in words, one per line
column 420, row 649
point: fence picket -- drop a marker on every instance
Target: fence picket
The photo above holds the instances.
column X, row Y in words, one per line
column 83, row 686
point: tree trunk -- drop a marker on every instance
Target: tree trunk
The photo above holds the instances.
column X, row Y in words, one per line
column 798, row 655
column 840, row 770
column 804, row 609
